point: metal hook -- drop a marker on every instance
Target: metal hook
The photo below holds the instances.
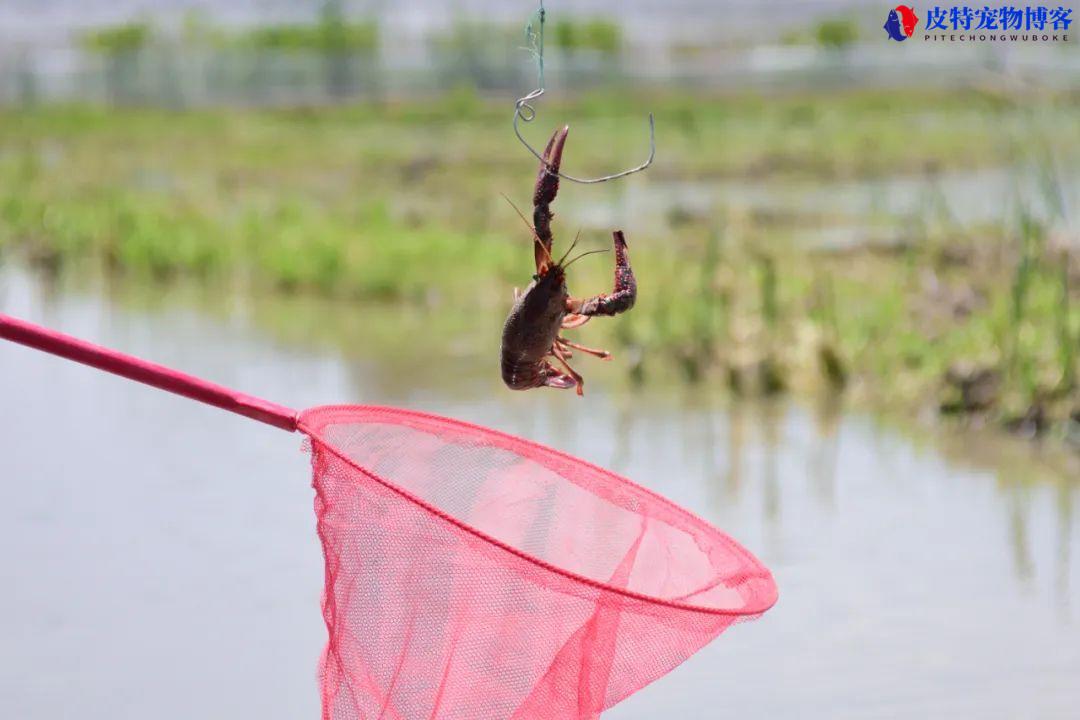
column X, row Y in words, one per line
column 525, row 112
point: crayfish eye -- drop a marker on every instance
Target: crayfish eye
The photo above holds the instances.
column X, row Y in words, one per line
column 536, row 277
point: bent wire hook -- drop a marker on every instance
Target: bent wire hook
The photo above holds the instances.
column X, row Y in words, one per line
column 525, row 112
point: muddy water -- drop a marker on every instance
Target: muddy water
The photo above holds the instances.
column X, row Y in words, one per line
column 160, row 560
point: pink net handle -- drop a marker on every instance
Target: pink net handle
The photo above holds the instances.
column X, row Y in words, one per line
column 148, row 373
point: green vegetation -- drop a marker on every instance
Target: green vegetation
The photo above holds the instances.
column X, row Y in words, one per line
column 595, row 34
column 837, row 33
column 118, row 39
column 331, row 34
column 401, row 202
column 328, row 36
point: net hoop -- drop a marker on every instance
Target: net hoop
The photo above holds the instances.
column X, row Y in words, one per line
column 312, row 422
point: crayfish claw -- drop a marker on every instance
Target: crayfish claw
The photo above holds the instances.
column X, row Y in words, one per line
column 547, row 179
column 547, row 187
column 622, row 296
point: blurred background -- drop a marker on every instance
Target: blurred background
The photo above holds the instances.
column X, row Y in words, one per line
column 855, row 346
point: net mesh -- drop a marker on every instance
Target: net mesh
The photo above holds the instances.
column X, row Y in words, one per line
column 471, row 575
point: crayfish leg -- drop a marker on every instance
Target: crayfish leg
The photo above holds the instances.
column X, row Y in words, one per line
column 573, row 320
column 565, row 344
column 580, row 381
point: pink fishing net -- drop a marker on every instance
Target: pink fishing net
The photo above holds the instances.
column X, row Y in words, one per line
column 472, row 575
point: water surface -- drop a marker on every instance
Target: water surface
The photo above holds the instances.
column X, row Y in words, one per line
column 160, row 559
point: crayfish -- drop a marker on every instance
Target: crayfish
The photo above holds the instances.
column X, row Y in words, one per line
column 531, row 340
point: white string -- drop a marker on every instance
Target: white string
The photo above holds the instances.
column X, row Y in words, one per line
column 525, row 112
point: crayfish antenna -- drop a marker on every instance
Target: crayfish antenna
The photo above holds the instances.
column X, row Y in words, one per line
column 589, row 252
column 573, row 245
column 542, row 263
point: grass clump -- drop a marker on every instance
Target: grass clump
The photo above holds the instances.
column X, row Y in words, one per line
column 594, row 34
column 118, row 39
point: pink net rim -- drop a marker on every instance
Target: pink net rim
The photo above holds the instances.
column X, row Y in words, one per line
column 312, row 421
